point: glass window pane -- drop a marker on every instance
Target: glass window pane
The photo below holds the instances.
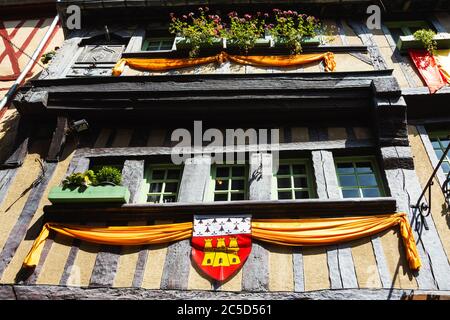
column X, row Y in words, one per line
column 364, row 167
column 155, row 187
column 222, row 172
column 367, row 180
column 173, row 174
column 371, row 193
column 445, row 167
column 284, row 195
column 158, row 174
column 238, row 171
column 444, row 143
column 343, row 168
column 284, row 183
column 168, row 199
column 283, row 170
column 435, row 143
column 237, row 184
column 439, row 153
column 298, row 169
column 348, row 181
column 221, row 184
column 237, row 196
column 300, row 182
column 353, row 193
column 301, row 195
column 153, row 199
column 171, row 187
column 221, row 197
column 166, row 44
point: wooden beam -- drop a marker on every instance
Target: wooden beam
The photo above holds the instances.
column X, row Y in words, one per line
column 36, row 292
column 260, row 176
column 367, row 38
column 153, row 151
column 195, row 179
column 325, row 175
column 185, row 211
column 299, row 278
column 133, row 175
column 20, row 144
column 20, row 229
column 405, row 64
column 58, row 139
column 192, row 189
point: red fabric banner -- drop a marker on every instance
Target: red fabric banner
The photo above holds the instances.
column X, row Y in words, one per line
column 428, row 69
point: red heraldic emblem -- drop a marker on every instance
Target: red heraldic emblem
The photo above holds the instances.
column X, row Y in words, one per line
column 221, row 244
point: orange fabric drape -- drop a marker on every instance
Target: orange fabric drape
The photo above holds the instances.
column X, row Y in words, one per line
column 120, row 236
column 290, row 232
column 328, row 231
column 286, row 61
column 261, row 61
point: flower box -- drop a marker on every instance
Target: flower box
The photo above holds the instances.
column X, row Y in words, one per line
column 409, row 42
column 185, row 44
column 91, row 194
column 260, row 43
column 307, row 41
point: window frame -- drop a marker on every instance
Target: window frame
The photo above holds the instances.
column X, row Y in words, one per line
column 309, row 176
column 438, row 134
column 149, row 168
column 376, row 172
column 212, row 183
column 146, row 43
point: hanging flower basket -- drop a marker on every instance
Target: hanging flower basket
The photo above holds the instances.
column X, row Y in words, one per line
column 90, row 194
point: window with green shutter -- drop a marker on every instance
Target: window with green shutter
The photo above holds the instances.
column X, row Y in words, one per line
column 293, row 180
column 228, row 183
column 162, row 183
column 359, row 177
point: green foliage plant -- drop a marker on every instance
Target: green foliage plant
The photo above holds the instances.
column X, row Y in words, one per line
column 426, row 37
column 291, row 28
column 105, row 175
column 244, row 31
column 197, row 29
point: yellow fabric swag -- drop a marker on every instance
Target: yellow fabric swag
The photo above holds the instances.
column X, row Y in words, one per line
column 443, row 61
column 260, row 61
column 288, row 232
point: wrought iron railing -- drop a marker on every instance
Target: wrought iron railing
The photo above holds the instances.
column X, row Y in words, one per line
column 424, row 208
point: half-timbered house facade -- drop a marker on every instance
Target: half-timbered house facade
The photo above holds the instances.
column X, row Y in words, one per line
column 359, row 141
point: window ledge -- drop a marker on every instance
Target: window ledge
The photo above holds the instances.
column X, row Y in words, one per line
column 185, row 211
column 409, row 42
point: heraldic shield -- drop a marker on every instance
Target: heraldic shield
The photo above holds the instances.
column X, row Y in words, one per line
column 221, row 244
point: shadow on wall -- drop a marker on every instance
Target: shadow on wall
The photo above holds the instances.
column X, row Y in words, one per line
column 445, row 213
